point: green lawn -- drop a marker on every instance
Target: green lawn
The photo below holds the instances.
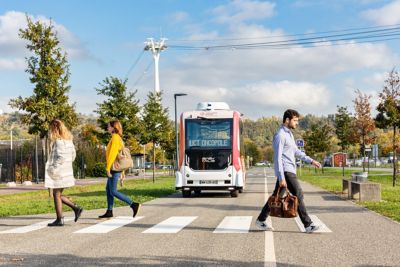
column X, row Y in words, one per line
column 88, row 196
column 331, row 180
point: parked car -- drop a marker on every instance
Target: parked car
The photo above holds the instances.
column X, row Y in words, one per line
column 263, row 163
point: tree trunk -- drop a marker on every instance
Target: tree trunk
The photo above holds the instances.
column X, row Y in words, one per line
column 363, row 142
column 394, row 156
column 343, row 162
column 154, row 160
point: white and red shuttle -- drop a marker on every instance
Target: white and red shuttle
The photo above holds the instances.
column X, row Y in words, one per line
column 210, row 154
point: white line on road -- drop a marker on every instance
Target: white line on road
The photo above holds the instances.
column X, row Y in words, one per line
column 323, row 228
column 269, row 258
column 32, row 227
column 234, row 225
column 171, row 225
column 108, row 226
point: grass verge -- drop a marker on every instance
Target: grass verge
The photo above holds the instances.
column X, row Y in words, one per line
column 331, row 180
column 87, row 196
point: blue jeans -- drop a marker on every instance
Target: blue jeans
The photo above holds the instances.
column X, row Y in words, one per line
column 112, row 191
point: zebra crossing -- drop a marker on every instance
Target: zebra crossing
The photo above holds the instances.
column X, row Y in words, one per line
column 171, row 225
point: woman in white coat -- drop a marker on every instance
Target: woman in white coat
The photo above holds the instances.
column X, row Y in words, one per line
column 59, row 172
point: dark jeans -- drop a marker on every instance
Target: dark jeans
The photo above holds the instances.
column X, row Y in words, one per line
column 112, row 191
column 294, row 188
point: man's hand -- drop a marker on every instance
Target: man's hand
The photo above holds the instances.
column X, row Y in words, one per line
column 282, row 183
column 316, row 164
column 109, row 174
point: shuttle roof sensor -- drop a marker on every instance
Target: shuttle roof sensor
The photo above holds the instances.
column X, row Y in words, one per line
column 213, row 106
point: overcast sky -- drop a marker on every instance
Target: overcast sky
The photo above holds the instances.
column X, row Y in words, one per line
column 105, row 38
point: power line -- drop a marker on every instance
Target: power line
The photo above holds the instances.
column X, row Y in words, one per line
column 143, row 73
column 282, row 35
column 373, row 36
column 134, row 64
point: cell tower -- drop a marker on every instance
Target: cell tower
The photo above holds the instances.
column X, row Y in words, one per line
column 155, row 48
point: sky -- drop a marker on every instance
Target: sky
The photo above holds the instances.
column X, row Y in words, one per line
column 107, row 38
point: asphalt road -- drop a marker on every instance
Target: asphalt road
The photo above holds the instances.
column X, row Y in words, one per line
column 216, row 230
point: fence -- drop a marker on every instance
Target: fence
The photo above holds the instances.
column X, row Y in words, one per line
column 22, row 162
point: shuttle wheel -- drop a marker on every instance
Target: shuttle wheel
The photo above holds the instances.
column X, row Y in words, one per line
column 241, row 190
column 235, row 193
column 186, row 193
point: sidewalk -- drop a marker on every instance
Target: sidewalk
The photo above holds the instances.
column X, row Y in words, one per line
column 78, row 182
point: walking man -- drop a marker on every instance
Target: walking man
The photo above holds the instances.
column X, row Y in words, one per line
column 285, row 154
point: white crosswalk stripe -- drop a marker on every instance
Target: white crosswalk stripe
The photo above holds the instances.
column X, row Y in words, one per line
column 171, row 225
column 234, row 225
column 109, row 225
column 323, row 228
column 32, row 227
column 174, row 224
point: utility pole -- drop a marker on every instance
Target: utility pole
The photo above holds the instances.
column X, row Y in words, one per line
column 155, row 48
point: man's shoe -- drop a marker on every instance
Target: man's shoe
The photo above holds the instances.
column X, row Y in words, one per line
column 264, row 226
column 135, row 207
column 57, row 222
column 108, row 214
column 78, row 210
column 312, row 228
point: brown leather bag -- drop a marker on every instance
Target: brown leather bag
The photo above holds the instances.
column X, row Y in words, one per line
column 285, row 207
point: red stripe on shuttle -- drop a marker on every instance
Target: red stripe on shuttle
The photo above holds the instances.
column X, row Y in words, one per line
column 235, row 137
column 181, row 142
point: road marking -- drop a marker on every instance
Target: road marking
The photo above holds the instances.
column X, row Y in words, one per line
column 234, row 225
column 269, row 254
column 32, row 227
column 109, row 225
column 323, row 228
column 171, row 225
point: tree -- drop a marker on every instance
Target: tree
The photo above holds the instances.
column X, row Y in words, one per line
column 317, row 139
column 251, row 149
column 389, row 111
column 157, row 127
column 343, row 130
column 49, row 72
column 364, row 125
column 122, row 106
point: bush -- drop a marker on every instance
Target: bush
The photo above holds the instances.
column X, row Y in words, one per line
column 99, row 169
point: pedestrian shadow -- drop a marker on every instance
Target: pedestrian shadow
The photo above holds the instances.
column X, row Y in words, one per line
column 25, row 259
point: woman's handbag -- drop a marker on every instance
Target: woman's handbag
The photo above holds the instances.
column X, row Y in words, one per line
column 123, row 161
column 285, row 207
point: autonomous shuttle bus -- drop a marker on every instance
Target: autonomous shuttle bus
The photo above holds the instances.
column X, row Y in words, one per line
column 210, row 150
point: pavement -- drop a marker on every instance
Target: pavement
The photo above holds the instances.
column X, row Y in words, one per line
column 211, row 229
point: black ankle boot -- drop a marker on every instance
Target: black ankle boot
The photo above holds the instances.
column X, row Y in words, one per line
column 57, row 222
column 77, row 210
column 108, row 214
column 135, row 207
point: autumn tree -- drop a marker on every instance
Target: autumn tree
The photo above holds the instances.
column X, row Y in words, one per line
column 49, row 72
column 364, row 125
column 389, row 111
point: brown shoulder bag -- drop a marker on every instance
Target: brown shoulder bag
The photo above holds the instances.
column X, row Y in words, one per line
column 285, row 207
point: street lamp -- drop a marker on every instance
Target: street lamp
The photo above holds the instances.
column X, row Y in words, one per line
column 176, row 131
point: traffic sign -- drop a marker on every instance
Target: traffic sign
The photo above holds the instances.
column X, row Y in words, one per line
column 300, row 142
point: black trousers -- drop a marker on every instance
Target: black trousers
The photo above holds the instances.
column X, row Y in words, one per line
column 294, row 188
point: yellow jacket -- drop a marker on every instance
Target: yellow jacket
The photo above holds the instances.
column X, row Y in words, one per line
column 113, row 147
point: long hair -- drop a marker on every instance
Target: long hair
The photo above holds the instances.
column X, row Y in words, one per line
column 117, row 127
column 57, row 130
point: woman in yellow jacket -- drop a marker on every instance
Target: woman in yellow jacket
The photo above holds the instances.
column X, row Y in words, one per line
column 113, row 147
